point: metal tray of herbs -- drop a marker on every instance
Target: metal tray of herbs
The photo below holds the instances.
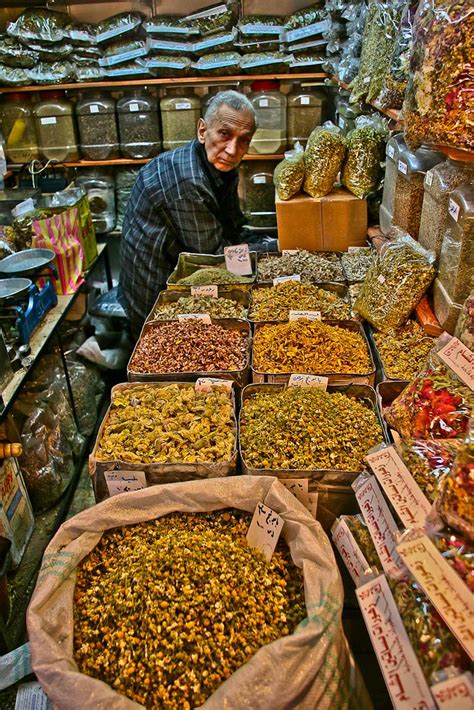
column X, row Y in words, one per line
column 170, row 296
column 157, row 473
column 335, row 256
column 387, row 391
column 339, row 289
column 188, row 263
column 239, row 377
column 366, row 378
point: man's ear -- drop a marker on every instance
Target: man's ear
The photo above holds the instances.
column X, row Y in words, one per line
column 201, row 131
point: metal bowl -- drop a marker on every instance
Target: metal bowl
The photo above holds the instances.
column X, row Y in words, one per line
column 13, row 289
column 26, row 263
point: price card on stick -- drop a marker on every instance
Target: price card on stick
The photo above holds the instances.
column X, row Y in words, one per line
column 455, row 693
column 124, row 481
column 203, row 317
column 460, row 359
column 265, row 530
column 209, row 290
column 205, row 384
column 309, row 315
column 237, row 259
column 299, row 488
column 299, row 379
column 352, row 556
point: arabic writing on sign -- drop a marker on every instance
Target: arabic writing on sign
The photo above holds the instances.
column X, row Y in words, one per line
column 299, row 487
column 282, row 279
column 124, row 481
column 206, row 384
column 460, row 359
column 264, row 530
column 237, row 259
column 204, row 317
column 455, row 693
column 298, row 379
column 208, row 290
column 309, row 315
column 351, row 553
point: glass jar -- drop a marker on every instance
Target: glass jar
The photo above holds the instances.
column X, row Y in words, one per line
column 55, row 127
column 258, row 193
column 456, row 262
column 97, row 126
column 18, row 127
column 270, row 105
column 411, row 170
column 100, row 189
column 438, row 186
column 139, row 125
column 180, row 112
column 306, row 108
column 394, row 147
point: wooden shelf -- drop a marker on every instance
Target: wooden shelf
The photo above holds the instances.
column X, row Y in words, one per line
column 393, row 113
column 116, row 162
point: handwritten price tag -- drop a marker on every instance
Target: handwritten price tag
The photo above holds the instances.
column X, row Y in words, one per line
column 124, row 481
column 446, row 591
column 399, row 485
column 455, row 693
column 460, row 359
column 352, row 555
column 206, row 384
column 454, row 209
column 237, row 259
column 282, row 279
column 397, row 660
column 289, row 252
column 210, row 290
column 298, row 379
column 352, row 249
column 265, row 530
column 309, row 315
column 203, row 317
column 299, row 488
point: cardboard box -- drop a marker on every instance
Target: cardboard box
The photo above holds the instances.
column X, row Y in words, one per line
column 330, row 223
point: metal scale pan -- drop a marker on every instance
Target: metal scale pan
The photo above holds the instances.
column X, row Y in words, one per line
column 14, row 290
column 28, row 262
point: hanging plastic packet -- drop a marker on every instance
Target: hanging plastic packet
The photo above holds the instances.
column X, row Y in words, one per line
column 456, row 502
column 51, row 73
column 323, row 159
column 117, row 26
column 219, row 64
column 288, row 175
column 38, row 24
column 362, row 169
column 395, row 81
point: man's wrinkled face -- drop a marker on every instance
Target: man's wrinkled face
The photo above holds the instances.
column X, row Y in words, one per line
column 226, row 137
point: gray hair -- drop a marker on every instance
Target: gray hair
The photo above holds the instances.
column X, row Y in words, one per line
column 233, row 99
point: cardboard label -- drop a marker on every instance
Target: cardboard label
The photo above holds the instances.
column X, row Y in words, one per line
column 390, row 151
column 124, row 481
column 382, row 526
column 352, row 555
column 399, row 485
column 204, row 317
column 299, row 379
column 453, row 209
column 48, row 121
column 444, row 588
column 237, row 260
column 94, row 108
column 460, row 359
column 310, row 315
column 429, row 178
column 133, row 107
column 206, row 384
column 31, row 696
column 265, row 530
column 397, row 660
column 283, row 279
column 299, row 488
column 210, row 290
column 455, row 693
column 402, row 167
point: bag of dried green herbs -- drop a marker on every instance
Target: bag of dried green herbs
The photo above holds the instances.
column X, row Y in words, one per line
column 323, row 158
column 362, row 169
column 164, row 575
column 288, row 175
column 394, row 83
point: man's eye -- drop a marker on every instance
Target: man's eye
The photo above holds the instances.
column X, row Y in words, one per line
column 223, row 134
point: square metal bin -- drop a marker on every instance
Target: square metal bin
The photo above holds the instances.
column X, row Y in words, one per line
column 339, row 289
column 188, row 263
column 240, row 377
column 337, row 254
column 242, row 298
column 156, row 473
column 367, row 378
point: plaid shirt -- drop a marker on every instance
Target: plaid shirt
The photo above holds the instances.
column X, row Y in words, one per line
column 179, row 202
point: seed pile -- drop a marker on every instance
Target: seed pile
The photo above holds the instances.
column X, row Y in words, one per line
column 215, row 307
column 276, row 302
column 166, row 611
column 403, row 351
column 303, row 428
column 322, row 266
column 214, row 275
column 357, row 263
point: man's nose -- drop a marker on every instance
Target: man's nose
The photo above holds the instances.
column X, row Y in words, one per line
column 232, row 147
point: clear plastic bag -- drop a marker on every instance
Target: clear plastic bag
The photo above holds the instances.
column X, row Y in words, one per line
column 117, row 26
column 82, row 35
column 362, row 168
column 51, row 73
column 219, row 42
column 429, row 461
column 261, row 26
column 38, row 24
column 214, row 18
column 288, row 175
column 11, row 76
column 169, row 26
column 458, row 553
column 124, row 50
column 323, row 159
column 52, row 53
column 360, row 531
column 398, row 278
column 394, row 84
column 89, row 72
column 456, row 502
column 265, row 63
column 15, row 54
column 465, row 325
column 219, row 64
column 166, row 65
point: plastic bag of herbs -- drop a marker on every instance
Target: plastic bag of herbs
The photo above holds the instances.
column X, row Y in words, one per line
column 456, row 502
column 288, row 175
column 394, row 84
column 15, row 54
column 326, row 677
column 323, row 158
column 37, row 24
column 362, row 168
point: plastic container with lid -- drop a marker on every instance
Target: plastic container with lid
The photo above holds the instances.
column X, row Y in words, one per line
column 412, row 167
column 100, row 189
column 395, row 145
column 270, row 104
column 306, row 110
column 456, row 262
column 97, row 126
column 55, row 127
column 18, row 128
column 180, row 112
column 258, row 195
column 439, row 183
column 139, row 125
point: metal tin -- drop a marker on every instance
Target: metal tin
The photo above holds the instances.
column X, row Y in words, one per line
column 367, row 378
column 387, row 391
column 339, row 289
column 188, row 263
column 240, row 377
column 157, row 473
column 167, row 297
column 262, row 256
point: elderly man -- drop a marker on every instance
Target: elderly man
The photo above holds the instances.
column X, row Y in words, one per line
column 185, row 200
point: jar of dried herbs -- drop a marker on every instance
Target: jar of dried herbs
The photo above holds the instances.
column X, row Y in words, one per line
column 180, row 112
column 97, row 126
column 55, row 127
column 270, row 104
column 306, row 109
column 139, row 125
column 456, row 263
column 395, row 145
column 18, row 128
column 259, row 194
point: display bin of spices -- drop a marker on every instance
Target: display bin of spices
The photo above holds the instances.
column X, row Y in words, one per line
column 55, row 127
column 188, row 264
column 387, row 392
column 97, row 122
column 399, row 354
column 338, row 350
column 167, row 432
column 180, row 112
column 306, row 107
column 356, row 262
column 180, row 350
column 315, row 267
column 273, row 303
column 228, row 304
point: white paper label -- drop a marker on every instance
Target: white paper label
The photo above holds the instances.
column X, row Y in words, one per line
column 453, row 209
column 309, row 315
column 282, row 279
column 203, row 317
column 352, row 249
column 460, row 359
column 402, row 167
column 182, row 105
column 429, row 178
column 400, row 487
column 210, row 290
column 134, row 107
column 351, row 554
column 381, row 279
column 31, row 696
column 237, row 259
column 263, row 103
column 206, row 384
column 390, row 151
column 94, row 108
column 455, row 693
column 299, row 379
column 382, row 526
column 259, row 180
column 397, row 660
column 264, row 530
column 124, row 481
column 444, row 588
column 48, row 120
column 299, row 488
column 367, row 79
column 304, row 100
column 289, row 252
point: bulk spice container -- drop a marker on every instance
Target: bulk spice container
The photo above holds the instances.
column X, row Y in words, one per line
column 258, row 203
column 270, row 105
column 179, row 116
column 395, row 145
column 18, row 128
column 55, row 127
column 306, row 108
column 456, row 263
column 411, row 169
column 100, row 190
column 97, row 127
column 139, row 125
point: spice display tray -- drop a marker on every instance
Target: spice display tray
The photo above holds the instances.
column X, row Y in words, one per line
column 188, row 263
column 367, row 378
column 381, row 374
column 338, row 288
column 167, row 297
column 240, row 377
column 387, row 391
column 264, row 256
column 156, row 473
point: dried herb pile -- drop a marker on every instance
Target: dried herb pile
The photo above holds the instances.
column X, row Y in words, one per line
column 215, row 307
column 276, row 302
column 303, row 428
column 356, row 263
column 166, row 611
column 213, row 275
column 403, row 351
column 321, row 266
column 150, row 424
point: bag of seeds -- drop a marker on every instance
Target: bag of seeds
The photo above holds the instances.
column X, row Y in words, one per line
column 265, row 63
column 164, row 65
column 323, row 159
column 220, row 42
column 395, row 81
column 261, row 27
column 161, row 591
column 169, row 26
column 288, row 175
column 124, row 50
column 11, row 76
column 219, row 64
column 220, row 17
column 429, row 461
column 53, row 52
column 362, row 169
